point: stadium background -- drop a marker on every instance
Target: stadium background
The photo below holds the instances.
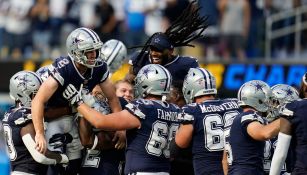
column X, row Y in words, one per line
column 282, row 62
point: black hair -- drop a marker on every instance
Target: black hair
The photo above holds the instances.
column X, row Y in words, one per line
column 186, row 28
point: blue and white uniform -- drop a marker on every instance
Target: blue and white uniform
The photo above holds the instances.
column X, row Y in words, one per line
column 148, row 146
column 209, row 119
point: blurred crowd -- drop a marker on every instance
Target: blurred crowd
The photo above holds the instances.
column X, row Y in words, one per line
column 37, row 29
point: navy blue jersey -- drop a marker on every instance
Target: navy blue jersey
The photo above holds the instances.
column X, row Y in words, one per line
column 296, row 114
column 21, row 160
column 178, row 68
column 270, row 146
column 64, row 71
column 105, row 162
column 245, row 155
column 148, row 146
column 209, row 119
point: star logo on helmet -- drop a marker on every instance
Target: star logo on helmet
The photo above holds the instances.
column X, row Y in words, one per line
column 258, row 87
column 22, row 82
column 146, row 71
column 289, row 92
column 76, row 40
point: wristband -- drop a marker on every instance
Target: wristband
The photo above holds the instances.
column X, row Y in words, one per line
column 95, row 142
column 64, row 158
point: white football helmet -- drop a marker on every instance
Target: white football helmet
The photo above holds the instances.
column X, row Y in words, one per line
column 152, row 79
column 282, row 94
column 23, row 85
column 81, row 41
column 114, row 53
column 256, row 94
column 198, row 82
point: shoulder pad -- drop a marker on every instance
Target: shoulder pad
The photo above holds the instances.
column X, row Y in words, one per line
column 185, row 118
column 283, row 111
column 56, row 75
column 135, row 109
column 23, row 119
column 251, row 117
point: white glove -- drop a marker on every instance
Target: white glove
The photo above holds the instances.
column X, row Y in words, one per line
column 64, row 159
column 73, row 95
column 88, row 99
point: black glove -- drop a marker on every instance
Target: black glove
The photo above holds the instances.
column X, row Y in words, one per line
column 60, row 140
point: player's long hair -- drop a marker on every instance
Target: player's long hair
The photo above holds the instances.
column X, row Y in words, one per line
column 186, row 28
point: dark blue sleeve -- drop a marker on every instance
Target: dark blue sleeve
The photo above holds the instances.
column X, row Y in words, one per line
column 22, row 117
column 287, row 111
column 122, row 102
column 60, row 70
column 187, row 114
column 194, row 63
column 246, row 120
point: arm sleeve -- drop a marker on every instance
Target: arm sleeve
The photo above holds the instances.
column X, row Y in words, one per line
column 37, row 156
column 280, row 153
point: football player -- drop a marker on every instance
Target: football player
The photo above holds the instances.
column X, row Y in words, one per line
column 245, row 139
column 150, row 122
column 292, row 131
column 282, row 94
column 19, row 130
column 203, row 120
column 101, row 157
column 182, row 163
column 83, row 67
column 159, row 49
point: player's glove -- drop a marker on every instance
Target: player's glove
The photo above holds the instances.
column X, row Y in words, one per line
column 60, row 140
column 88, row 99
column 73, row 95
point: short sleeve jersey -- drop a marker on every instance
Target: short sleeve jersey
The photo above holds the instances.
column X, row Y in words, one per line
column 148, row 146
column 209, row 119
column 65, row 72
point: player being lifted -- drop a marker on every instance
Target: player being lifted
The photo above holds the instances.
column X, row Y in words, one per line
column 150, row 122
column 85, row 65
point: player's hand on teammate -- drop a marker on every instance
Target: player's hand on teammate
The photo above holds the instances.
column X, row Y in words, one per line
column 73, row 95
column 60, row 140
column 120, row 139
column 41, row 144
